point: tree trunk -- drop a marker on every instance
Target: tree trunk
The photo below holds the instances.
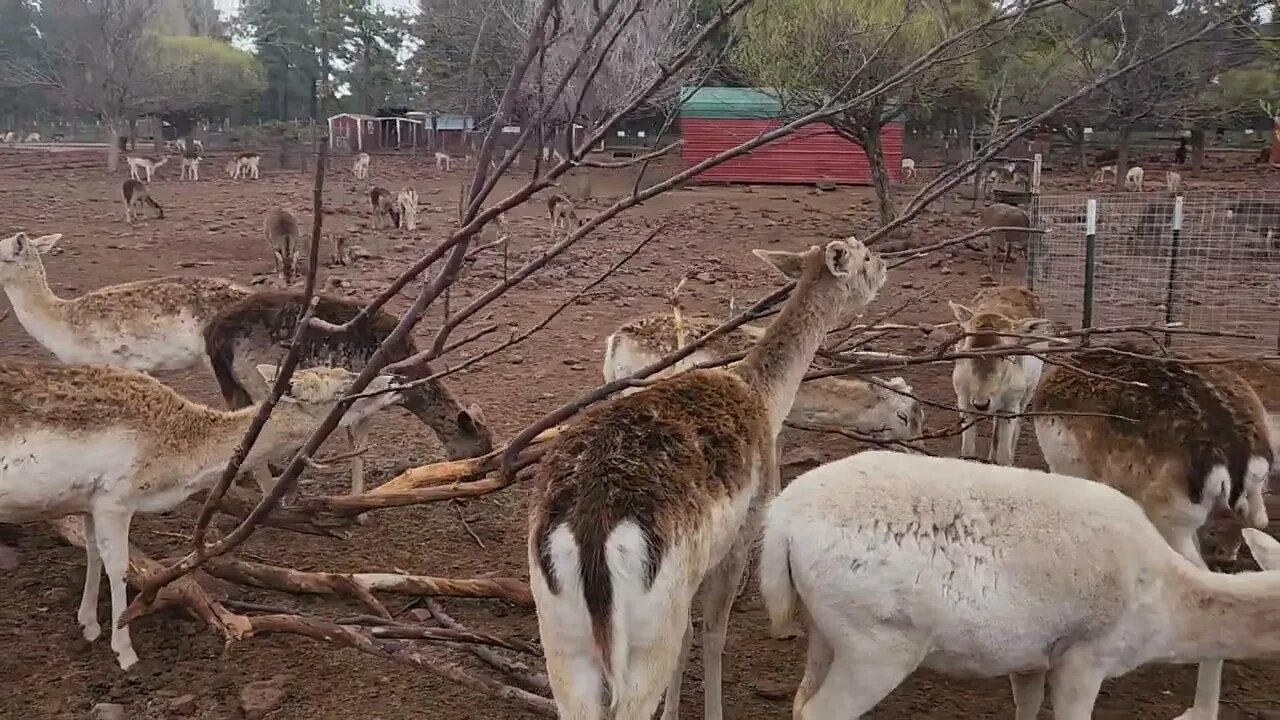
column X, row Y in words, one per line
column 133, row 134
column 1275, row 142
column 1082, row 157
column 1122, row 156
column 1197, row 150
column 871, row 143
column 113, row 145
column 157, row 134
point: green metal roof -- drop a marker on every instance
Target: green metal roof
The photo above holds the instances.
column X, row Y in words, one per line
column 729, row 102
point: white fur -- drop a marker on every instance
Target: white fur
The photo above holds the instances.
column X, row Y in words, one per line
column 244, row 166
column 444, row 162
column 139, row 166
column 908, row 169
column 107, row 474
column 190, row 168
column 361, row 166
column 905, row 561
column 1173, row 181
column 1103, row 172
column 1133, row 179
column 33, row 138
column 407, row 199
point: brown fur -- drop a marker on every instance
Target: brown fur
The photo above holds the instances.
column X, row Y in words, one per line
column 658, row 331
column 262, row 322
column 1190, row 418
column 1002, row 215
column 281, row 230
column 699, row 432
column 381, row 203
column 135, row 194
column 202, row 297
column 997, row 312
column 562, row 212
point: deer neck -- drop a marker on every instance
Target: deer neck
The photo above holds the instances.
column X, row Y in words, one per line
column 778, row 362
column 34, row 302
column 1216, row 615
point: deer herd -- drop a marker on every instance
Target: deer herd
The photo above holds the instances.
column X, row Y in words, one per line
column 887, row 561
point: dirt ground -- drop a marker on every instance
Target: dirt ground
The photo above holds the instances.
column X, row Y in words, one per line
column 213, row 227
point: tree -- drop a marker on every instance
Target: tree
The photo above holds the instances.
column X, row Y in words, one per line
column 284, row 33
column 20, row 46
column 201, row 76
column 831, row 50
column 370, row 50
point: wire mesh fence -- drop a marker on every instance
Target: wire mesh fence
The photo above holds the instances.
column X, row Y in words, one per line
column 1210, row 260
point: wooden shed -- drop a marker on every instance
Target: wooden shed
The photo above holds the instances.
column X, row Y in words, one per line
column 714, row 119
column 359, row 132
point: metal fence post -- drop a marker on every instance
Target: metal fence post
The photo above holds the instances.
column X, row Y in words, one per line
column 1090, row 260
column 1174, row 247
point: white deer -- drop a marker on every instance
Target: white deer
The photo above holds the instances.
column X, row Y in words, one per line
column 898, row 562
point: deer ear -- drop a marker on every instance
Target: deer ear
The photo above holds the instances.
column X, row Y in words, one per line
column 1035, row 326
column 1264, row 548
column 962, row 313
column 471, row 418
column 790, row 264
column 839, row 258
column 45, row 243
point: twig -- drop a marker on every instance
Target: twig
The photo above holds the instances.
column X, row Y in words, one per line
column 457, row 504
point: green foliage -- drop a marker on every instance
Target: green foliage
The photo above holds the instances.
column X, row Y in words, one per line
column 284, row 33
column 19, row 47
column 369, row 50
column 200, row 75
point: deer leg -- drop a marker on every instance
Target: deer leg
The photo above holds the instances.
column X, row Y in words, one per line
column 671, row 704
column 1028, row 694
column 1075, row 685
column 88, row 615
column 717, row 602
column 112, row 534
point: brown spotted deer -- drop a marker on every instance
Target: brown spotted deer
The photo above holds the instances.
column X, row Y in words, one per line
column 562, row 213
column 1179, row 439
column 106, row 443
column 139, row 166
column 1002, row 215
column 999, row 385
column 647, row 497
column 148, row 325
column 407, row 200
column 190, row 168
column 281, row 230
column 135, row 195
column 244, row 165
column 360, row 168
column 254, row 331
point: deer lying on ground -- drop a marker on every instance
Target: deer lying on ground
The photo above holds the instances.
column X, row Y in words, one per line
column 647, row 497
column 1002, row 215
column 382, row 204
column 884, row 410
column 135, row 195
column 1188, row 439
column 897, row 562
column 255, row 329
column 407, row 200
column 563, row 213
column 281, row 230
column 244, row 165
column 1172, row 181
column 190, row 165
column 361, row 166
column 444, row 162
column 908, row 169
column 998, row 385
column 1133, row 179
column 33, row 137
column 11, row 138
column 105, row 443
column 139, row 166
column 147, row 325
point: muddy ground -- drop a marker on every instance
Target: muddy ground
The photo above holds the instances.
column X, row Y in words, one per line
column 213, row 227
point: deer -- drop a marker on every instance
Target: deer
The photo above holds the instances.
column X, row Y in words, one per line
column 190, row 165
column 908, row 169
column 444, row 162
column 562, row 213
column 895, row 562
column 884, row 410
column 1133, row 179
column 407, row 201
column 1101, row 176
column 360, row 168
column 106, row 443
column 1172, row 181
column 139, row 166
column 11, row 138
column 198, row 145
column 1181, row 440
column 255, row 329
column 281, row 230
column 149, row 325
column 1001, row 386
column 1003, row 215
column 244, row 164
column 381, row 203
column 135, row 195
column 646, row 497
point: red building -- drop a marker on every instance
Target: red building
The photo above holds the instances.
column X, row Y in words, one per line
column 714, row 119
